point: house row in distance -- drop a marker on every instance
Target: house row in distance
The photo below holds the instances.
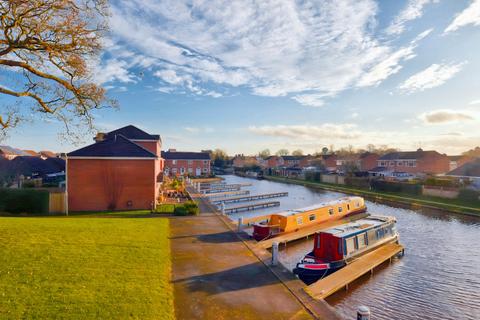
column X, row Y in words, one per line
column 390, row 164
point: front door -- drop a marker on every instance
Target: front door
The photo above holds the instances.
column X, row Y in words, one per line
column 198, row 171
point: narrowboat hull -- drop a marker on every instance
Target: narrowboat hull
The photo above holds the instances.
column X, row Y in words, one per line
column 312, row 271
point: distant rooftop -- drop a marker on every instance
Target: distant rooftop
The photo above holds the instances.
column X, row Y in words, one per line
column 470, row 169
column 181, row 155
column 408, row 155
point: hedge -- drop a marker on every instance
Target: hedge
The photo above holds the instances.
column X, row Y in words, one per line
column 469, row 195
column 386, row 186
column 357, row 182
column 24, row 201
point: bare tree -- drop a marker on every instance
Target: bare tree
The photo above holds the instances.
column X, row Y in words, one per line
column 46, row 48
column 265, row 153
column 297, row 152
column 282, row 152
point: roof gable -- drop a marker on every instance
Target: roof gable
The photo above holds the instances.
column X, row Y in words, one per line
column 470, row 169
column 133, row 133
column 116, row 146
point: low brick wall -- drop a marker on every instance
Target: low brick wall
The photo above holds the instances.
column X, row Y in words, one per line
column 442, row 192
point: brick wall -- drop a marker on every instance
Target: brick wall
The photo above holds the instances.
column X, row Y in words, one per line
column 192, row 167
column 95, row 184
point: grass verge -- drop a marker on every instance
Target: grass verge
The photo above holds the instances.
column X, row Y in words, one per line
column 451, row 205
column 85, row 267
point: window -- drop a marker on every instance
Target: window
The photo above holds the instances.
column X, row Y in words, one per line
column 190, row 170
column 190, row 162
column 340, row 209
column 205, row 162
column 299, row 220
column 205, row 169
column 400, row 163
column 182, row 170
column 348, row 207
column 357, row 204
column 392, row 163
column 330, row 211
column 174, row 161
column 312, row 217
column 318, row 241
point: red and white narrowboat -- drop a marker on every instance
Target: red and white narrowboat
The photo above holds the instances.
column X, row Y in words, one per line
column 336, row 247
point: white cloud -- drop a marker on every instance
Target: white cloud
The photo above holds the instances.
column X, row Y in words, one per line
column 312, row 100
column 412, row 11
column 309, row 132
column 304, row 49
column 474, row 102
column 445, row 116
column 199, row 129
column 113, row 70
column 431, row 77
column 471, row 15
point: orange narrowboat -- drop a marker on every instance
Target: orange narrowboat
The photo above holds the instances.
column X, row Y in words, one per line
column 296, row 219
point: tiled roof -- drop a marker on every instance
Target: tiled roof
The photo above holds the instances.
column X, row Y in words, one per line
column 406, row 155
column 455, row 158
column 133, row 133
column 470, row 169
column 28, row 165
column 178, row 155
column 14, row 151
column 116, row 146
column 293, row 157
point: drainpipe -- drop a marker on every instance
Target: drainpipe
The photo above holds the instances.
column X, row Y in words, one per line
column 66, row 184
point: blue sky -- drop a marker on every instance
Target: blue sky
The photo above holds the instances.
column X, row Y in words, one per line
column 249, row 75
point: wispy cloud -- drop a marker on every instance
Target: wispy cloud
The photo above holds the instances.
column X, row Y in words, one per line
column 199, row 129
column 431, row 77
column 309, row 132
column 471, row 15
column 413, row 10
column 445, row 116
column 309, row 51
column 474, row 102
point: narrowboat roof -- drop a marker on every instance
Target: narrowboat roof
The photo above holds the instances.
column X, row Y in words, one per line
column 351, row 228
column 291, row 212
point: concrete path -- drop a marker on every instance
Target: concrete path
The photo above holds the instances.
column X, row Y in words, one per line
column 216, row 276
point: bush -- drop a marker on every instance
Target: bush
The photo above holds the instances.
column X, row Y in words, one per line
column 469, row 195
column 192, row 208
column 24, row 201
column 386, row 186
column 180, row 211
column 357, row 182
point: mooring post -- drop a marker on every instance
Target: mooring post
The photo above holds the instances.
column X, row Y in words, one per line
column 363, row 313
column 240, row 224
column 274, row 253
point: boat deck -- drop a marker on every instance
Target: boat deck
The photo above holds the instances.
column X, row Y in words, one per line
column 343, row 277
column 308, row 231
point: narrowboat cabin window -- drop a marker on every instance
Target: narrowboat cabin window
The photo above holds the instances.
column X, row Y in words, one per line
column 340, row 209
column 357, row 204
column 348, row 206
column 330, row 211
column 299, row 220
column 318, row 241
column 312, row 217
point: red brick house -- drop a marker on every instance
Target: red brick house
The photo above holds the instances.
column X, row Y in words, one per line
column 274, row 161
column 458, row 161
column 241, row 161
column 428, row 162
column 178, row 163
column 120, row 171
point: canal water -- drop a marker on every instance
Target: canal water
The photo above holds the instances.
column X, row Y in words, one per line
column 438, row 278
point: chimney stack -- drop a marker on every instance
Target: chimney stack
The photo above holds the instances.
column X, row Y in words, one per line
column 100, row 137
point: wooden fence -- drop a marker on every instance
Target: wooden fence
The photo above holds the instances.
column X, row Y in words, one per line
column 56, row 202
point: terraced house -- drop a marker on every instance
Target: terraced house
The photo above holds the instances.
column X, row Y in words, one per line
column 415, row 162
column 179, row 163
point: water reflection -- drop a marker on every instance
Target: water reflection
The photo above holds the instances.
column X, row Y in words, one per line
column 438, row 278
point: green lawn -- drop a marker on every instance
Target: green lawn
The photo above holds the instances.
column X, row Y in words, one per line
column 453, row 205
column 85, row 267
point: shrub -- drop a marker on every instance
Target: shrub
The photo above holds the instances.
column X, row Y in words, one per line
column 180, row 211
column 469, row 195
column 192, row 208
column 380, row 185
column 24, row 201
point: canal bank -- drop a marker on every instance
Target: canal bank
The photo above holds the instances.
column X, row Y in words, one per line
column 218, row 274
column 384, row 198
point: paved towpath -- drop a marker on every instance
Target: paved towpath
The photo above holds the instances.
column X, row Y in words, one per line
column 217, row 276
